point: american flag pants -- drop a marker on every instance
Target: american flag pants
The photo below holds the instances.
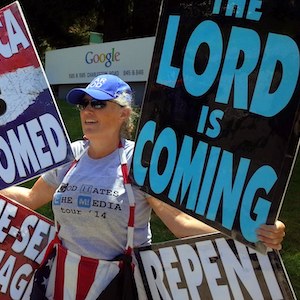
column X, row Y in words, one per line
column 65, row 275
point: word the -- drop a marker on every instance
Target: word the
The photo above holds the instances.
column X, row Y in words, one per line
column 238, row 9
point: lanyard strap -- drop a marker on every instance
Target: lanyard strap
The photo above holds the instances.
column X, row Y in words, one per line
column 131, row 198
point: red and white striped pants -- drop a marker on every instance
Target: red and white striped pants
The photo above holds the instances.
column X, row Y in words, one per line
column 75, row 277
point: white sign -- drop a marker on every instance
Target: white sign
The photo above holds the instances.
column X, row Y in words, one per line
column 129, row 59
column 33, row 138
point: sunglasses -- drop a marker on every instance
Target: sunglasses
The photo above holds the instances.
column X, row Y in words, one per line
column 94, row 104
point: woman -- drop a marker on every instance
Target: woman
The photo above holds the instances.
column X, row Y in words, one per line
column 90, row 200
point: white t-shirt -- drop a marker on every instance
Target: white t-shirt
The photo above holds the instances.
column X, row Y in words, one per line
column 92, row 207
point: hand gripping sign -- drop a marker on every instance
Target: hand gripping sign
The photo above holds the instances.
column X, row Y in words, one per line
column 212, row 267
column 219, row 128
column 24, row 236
column 33, row 138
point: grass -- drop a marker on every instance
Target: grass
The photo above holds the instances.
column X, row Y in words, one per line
column 289, row 213
column 290, row 216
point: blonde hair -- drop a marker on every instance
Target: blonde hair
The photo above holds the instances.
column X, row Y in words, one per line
column 128, row 128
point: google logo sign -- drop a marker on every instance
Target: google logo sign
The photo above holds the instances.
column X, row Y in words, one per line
column 106, row 58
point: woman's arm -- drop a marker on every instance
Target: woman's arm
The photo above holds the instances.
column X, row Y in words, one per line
column 178, row 222
column 183, row 225
column 40, row 194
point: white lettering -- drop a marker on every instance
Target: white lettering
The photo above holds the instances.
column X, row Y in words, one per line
column 191, row 268
column 9, row 211
column 15, row 36
column 31, row 147
column 239, row 269
column 55, row 137
column 22, row 150
column 269, row 275
column 7, row 167
column 38, row 142
column 155, row 275
column 208, row 257
column 6, row 271
column 20, row 245
column 214, row 269
column 169, row 259
column 40, row 233
column 18, row 283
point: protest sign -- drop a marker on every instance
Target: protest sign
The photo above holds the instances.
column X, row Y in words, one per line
column 24, row 236
column 33, row 138
column 212, row 267
column 219, row 129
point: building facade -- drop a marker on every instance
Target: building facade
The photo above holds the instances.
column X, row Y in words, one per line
column 77, row 66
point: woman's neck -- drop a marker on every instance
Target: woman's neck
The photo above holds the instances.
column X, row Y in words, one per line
column 102, row 148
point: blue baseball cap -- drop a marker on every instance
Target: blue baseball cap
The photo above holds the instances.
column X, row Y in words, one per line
column 102, row 87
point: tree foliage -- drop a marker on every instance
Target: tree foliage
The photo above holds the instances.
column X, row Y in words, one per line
column 65, row 23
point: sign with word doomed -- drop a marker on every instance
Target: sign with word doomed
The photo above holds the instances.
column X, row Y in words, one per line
column 212, row 267
column 24, row 236
column 33, row 138
column 220, row 122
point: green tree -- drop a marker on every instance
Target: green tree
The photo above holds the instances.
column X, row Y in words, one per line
column 58, row 24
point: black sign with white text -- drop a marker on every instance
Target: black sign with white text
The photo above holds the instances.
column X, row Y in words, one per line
column 212, row 267
column 220, row 122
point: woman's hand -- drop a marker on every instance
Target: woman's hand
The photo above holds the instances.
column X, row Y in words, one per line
column 272, row 235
